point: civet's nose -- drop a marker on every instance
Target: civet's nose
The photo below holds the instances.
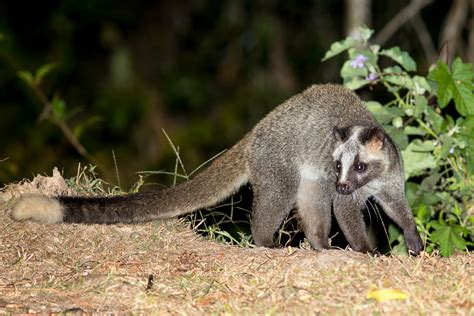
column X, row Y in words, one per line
column 343, row 188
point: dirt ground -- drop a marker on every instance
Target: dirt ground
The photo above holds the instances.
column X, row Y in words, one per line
column 166, row 268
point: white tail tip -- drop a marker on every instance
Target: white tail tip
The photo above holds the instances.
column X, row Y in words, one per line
column 38, row 208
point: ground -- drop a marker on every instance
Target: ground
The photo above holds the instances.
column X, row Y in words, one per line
column 166, row 268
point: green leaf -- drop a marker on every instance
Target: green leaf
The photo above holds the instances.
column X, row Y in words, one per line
column 43, row 71
column 397, row 135
column 429, row 199
column 466, row 134
column 393, row 233
column 435, row 120
column 401, row 57
column 454, row 85
column 396, row 241
column 79, row 129
column 448, row 238
column 416, row 162
column 429, row 182
column 355, row 83
column 402, row 80
column 422, row 146
column 392, row 70
column 339, row 47
column 371, row 57
column 59, row 107
column 442, row 76
column 383, row 114
column 365, row 32
column 410, row 130
column 447, row 144
column 375, row 49
column 400, row 249
column 26, row 76
column 422, row 213
column 463, row 93
column 348, row 72
column 421, row 104
column 411, row 189
column 421, row 85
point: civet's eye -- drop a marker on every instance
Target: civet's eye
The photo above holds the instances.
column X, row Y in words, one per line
column 338, row 165
column 360, row 167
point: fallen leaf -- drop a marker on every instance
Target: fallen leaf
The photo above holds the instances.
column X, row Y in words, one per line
column 387, row 295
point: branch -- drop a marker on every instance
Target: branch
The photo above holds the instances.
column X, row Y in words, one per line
column 399, row 20
column 47, row 109
column 425, row 39
column 46, row 114
column 453, row 24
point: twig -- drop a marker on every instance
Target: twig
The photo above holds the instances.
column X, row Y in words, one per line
column 47, row 109
column 425, row 39
column 116, row 169
column 72, row 139
column 399, row 20
column 45, row 114
column 453, row 24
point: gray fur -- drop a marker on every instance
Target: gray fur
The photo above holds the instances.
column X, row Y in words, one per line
column 289, row 159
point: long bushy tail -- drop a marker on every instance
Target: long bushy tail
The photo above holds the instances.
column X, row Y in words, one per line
column 221, row 179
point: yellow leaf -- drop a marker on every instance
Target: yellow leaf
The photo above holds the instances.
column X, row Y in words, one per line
column 387, row 294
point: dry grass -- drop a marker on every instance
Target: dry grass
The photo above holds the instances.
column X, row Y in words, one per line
column 79, row 268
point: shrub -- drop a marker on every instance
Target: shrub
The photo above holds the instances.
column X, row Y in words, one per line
column 431, row 118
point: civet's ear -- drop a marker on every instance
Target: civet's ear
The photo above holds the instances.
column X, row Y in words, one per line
column 340, row 133
column 374, row 137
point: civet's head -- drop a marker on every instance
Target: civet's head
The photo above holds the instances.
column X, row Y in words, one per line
column 359, row 156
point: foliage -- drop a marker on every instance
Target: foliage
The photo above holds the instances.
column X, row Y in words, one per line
column 87, row 182
column 431, row 118
column 220, row 223
column 215, row 74
column 54, row 108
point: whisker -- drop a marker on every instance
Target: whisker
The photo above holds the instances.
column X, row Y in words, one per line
column 377, row 212
column 368, row 211
column 370, row 206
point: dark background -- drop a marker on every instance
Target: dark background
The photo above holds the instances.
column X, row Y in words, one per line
column 204, row 71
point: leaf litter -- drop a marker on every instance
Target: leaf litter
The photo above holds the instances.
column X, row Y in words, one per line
column 165, row 268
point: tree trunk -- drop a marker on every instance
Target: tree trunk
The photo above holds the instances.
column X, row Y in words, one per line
column 357, row 14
